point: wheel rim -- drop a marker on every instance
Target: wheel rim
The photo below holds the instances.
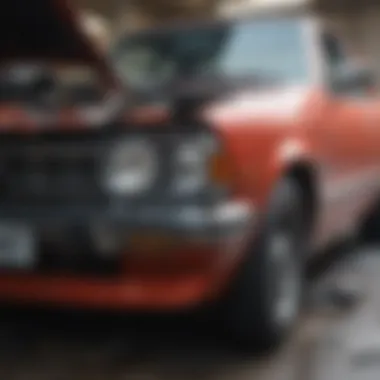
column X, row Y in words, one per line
column 285, row 279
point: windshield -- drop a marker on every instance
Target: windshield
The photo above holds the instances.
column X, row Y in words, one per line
column 273, row 48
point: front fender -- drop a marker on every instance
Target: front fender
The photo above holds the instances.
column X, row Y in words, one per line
column 288, row 154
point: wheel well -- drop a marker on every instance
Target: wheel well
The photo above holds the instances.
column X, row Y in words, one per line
column 304, row 174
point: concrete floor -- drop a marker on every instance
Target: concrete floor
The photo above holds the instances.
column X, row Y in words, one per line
column 334, row 340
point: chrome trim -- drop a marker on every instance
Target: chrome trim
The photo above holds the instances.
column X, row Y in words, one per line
column 229, row 213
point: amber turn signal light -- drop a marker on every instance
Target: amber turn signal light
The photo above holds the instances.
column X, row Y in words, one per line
column 219, row 169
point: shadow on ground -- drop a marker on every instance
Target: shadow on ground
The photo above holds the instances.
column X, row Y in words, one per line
column 53, row 345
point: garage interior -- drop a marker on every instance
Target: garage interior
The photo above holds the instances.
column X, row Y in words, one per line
column 358, row 22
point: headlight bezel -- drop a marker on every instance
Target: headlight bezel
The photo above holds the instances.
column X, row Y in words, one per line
column 190, row 163
column 144, row 178
column 170, row 181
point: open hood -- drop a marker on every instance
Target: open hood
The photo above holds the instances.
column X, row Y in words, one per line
column 45, row 29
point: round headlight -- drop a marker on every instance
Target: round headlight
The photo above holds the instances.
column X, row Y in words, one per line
column 131, row 167
column 191, row 156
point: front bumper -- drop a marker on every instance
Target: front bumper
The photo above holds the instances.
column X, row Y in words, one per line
column 133, row 293
column 193, row 218
column 208, row 242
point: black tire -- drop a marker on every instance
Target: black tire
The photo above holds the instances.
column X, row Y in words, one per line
column 370, row 229
column 252, row 311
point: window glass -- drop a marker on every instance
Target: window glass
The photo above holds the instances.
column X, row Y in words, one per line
column 273, row 48
column 334, row 52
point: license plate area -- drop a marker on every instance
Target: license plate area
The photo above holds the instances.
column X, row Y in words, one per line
column 17, row 247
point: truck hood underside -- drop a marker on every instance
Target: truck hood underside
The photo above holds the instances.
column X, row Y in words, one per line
column 42, row 29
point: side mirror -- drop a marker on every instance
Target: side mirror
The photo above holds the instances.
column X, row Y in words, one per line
column 353, row 78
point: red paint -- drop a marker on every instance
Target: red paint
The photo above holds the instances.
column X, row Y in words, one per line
column 264, row 135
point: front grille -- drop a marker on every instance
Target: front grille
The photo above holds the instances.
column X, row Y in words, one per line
column 71, row 252
column 52, row 172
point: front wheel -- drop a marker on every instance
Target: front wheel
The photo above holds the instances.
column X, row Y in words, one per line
column 264, row 302
column 370, row 228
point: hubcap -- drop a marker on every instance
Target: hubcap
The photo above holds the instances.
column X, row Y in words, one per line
column 286, row 278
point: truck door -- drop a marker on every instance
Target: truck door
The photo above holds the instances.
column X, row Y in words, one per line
column 345, row 138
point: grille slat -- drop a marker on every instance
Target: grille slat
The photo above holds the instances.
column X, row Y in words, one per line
column 49, row 173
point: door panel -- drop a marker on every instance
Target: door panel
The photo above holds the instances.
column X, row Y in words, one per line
column 373, row 128
column 343, row 139
column 345, row 143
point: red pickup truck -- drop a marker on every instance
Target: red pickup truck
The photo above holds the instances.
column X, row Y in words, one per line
column 200, row 164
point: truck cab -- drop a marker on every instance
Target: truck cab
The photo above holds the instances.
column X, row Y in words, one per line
column 221, row 156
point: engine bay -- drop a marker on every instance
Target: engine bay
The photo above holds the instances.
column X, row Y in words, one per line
column 44, row 86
